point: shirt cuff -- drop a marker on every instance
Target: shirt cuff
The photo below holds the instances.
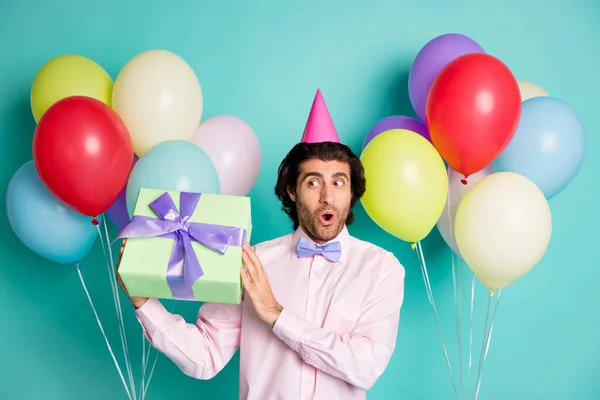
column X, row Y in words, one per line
column 151, row 315
column 289, row 328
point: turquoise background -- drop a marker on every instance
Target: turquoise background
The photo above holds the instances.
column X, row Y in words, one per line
column 262, row 61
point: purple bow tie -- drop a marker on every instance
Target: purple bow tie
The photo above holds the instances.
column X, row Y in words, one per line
column 331, row 251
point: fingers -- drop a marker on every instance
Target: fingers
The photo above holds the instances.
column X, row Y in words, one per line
column 245, row 280
column 255, row 261
column 250, row 268
column 121, row 253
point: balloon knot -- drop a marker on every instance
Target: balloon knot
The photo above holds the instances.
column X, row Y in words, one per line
column 491, row 293
column 464, row 180
column 95, row 221
column 413, row 245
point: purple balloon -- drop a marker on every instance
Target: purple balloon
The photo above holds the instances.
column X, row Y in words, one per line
column 117, row 213
column 397, row 122
column 432, row 58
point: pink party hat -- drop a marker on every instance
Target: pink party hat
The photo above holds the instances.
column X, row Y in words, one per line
column 319, row 127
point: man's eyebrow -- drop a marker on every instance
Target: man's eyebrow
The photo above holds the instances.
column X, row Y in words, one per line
column 340, row 175
column 308, row 174
column 320, row 175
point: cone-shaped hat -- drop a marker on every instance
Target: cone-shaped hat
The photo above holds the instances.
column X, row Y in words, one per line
column 319, row 127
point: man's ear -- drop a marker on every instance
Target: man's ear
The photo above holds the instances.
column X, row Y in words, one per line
column 292, row 193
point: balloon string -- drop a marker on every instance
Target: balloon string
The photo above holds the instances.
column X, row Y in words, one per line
column 156, row 354
column 112, row 354
column 113, row 271
column 471, row 322
column 485, row 324
column 145, row 358
column 144, row 363
column 486, row 343
column 457, row 297
column 427, row 282
column 150, row 376
column 462, row 195
column 459, row 327
column 116, row 301
column 146, row 349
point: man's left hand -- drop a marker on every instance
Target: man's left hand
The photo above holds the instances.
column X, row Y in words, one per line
column 256, row 283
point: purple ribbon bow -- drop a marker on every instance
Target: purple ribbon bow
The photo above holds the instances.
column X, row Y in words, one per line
column 183, row 268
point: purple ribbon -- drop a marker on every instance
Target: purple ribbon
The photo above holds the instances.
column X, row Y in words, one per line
column 184, row 268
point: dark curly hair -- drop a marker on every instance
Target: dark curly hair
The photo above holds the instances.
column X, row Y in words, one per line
column 287, row 175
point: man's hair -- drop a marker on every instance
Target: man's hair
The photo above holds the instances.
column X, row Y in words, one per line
column 287, row 175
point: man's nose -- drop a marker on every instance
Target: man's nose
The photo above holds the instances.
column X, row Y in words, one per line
column 327, row 195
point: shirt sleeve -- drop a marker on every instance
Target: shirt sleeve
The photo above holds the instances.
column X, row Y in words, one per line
column 360, row 356
column 201, row 349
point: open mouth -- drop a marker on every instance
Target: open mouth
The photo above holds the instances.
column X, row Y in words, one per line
column 327, row 218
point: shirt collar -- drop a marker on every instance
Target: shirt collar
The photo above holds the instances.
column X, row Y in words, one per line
column 343, row 237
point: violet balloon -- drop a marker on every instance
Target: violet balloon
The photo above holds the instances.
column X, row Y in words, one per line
column 117, row 213
column 432, row 58
column 397, row 122
column 234, row 150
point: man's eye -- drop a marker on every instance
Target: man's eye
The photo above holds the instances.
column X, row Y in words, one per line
column 313, row 183
column 339, row 183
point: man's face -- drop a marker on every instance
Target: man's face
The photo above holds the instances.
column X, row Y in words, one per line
column 323, row 196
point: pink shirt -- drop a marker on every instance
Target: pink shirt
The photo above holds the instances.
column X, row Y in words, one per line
column 333, row 339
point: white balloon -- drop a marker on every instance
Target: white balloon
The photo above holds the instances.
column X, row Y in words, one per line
column 234, row 150
column 456, row 191
column 503, row 228
column 158, row 96
column 529, row 90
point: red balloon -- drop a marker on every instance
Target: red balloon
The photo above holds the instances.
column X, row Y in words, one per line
column 473, row 109
column 83, row 153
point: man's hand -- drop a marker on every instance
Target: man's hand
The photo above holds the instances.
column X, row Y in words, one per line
column 136, row 301
column 256, row 283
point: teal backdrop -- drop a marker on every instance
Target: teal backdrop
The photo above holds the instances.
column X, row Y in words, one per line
column 263, row 61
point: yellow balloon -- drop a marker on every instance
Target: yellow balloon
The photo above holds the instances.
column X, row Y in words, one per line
column 69, row 75
column 407, row 184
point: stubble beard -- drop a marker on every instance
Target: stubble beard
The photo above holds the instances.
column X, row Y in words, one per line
column 314, row 229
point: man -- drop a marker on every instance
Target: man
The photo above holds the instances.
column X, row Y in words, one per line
column 320, row 313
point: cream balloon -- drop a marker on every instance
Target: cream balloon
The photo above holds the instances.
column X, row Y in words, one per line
column 529, row 90
column 456, row 191
column 503, row 228
column 158, row 96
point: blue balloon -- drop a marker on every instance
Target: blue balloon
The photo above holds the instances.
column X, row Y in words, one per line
column 548, row 146
column 44, row 223
column 172, row 165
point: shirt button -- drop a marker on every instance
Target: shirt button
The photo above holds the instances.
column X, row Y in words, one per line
column 312, row 304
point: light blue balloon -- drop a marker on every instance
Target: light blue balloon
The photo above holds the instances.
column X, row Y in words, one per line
column 548, row 147
column 172, row 165
column 44, row 223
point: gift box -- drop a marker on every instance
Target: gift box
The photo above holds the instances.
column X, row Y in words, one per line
column 186, row 246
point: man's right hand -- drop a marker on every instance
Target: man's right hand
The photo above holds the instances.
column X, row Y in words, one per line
column 136, row 301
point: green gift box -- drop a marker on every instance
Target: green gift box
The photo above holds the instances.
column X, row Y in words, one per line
column 186, row 246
